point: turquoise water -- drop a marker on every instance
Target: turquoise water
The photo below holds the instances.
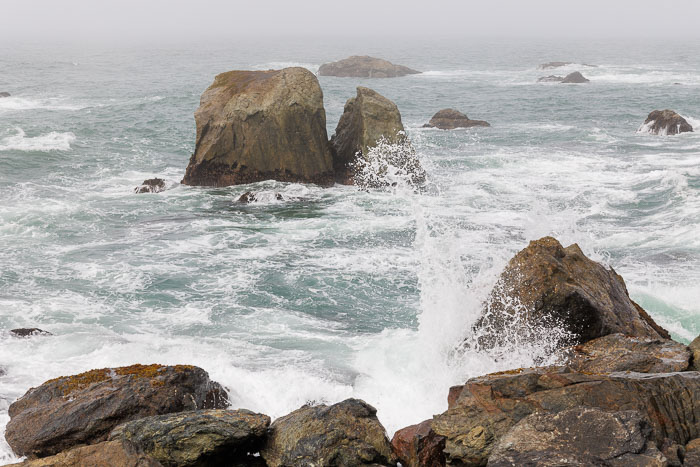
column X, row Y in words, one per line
column 335, row 292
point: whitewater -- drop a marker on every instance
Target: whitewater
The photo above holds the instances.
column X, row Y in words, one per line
column 334, row 292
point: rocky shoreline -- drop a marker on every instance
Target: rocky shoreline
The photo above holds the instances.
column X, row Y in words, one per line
column 622, row 393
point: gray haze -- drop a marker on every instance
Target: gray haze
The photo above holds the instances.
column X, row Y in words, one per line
column 167, row 20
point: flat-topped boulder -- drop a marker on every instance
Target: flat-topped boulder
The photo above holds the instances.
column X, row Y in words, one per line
column 368, row 120
column 575, row 78
column 261, row 125
column 665, row 122
column 546, row 286
column 82, row 409
column 364, row 67
column 449, row 119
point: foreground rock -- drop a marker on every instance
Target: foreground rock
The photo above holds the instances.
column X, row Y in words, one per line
column 29, row 332
column 83, row 409
column 575, row 78
column 695, row 350
column 203, row 437
column 368, row 120
column 418, row 446
column 4, row 94
column 364, row 67
column 482, row 411
column 261, row 125
column 547, row 286
column 346, row 433
column 449, row 119
column 108, row 453
column 579, row 436
column 617, row 352
column 666, row 122
column 152, row 185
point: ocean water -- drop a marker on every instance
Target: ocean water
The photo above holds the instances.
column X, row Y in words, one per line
column 332, row 292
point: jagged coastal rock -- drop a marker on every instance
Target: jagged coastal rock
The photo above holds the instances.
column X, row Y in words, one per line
column 202, row 437
column 346, row 433
column 546, row 286
column 107, row 453
column 367, row 119
column 83, row 409
column 364, row 67
column 575, row 78
column 152, row 185
column 419, row 446
column 694, row 348
column 261, row 125
column 449, row 119
column 4, row 94
column 665, row 122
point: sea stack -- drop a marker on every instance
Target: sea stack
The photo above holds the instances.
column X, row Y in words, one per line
column 665, row 122
column 364, row 67
column 449, row 119
column 261, row 125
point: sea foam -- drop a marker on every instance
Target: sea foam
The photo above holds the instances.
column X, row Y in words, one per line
column 53, row 141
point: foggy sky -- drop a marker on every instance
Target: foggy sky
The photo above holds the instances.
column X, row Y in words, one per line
column 187, row 20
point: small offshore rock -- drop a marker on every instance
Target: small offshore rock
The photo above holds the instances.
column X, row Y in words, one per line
column 364, row 67
column 547, row 65
column 107, row 453
column 152, row 185
column 551, row 79
column 82, row 409
column 4, row 94
column 29, row 332
column 419, row 446
column 617, row 352
column 251, row 197
column 449, row 119
column 578, row 436
column 343, row 434
column 575, row 78
column 666, row 122
column 201, row 437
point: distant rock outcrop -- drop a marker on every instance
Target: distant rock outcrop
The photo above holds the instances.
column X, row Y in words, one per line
column 550, row 79
column 449, row 119
column 665, row 122
column 367, row 119
column 575, row 78
column 364, row 67
column 4, row 94
column 545, row 66
column 260, row 125
column 152, row 185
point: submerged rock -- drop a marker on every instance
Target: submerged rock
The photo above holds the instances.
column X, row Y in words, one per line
column 251, row 197
column 83, row 409
column 369, row 119
column 202, row 437
column 418, row 446
column 575, row 78
column 579, row 436
column 108, row 453
column 666, row 122
column 482, row 411
column 4, row 94
column 449, row 119
column 346, row 433
column 364, row 67
column 152, row 185
column 28, row 332
column 551, row 79
column 261, row 125
column 547, row 286
column 617, row 352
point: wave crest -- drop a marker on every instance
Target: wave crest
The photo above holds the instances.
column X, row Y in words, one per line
column 53, row 141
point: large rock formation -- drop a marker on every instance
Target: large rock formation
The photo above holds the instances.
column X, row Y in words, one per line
column 364, row 67
column 665, row 122
column 575, row 78
column 419, row 446
column 449, row 119
column 108, row 453
column 83, row 409
column 370, row 118
column 346, row 433
column 548, row 286
column 482, row 411
column 259, row 125
column 202, row 437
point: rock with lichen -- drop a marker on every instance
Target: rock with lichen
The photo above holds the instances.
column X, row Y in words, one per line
column 107, row 453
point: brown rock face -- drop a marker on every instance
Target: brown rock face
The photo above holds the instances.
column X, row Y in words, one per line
column 692, row 452
column 343, row 434
column 418, row 446
column 83, row 409
column 487, row 407
column 580, row 436
column 261, row 125
column 575, row 78
column 364, row 67
column 108, row 453
column 367, row 119
column 695, row 349
column 617, row 352
column 546, row 286
column 449, row 119
column 666, row 122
